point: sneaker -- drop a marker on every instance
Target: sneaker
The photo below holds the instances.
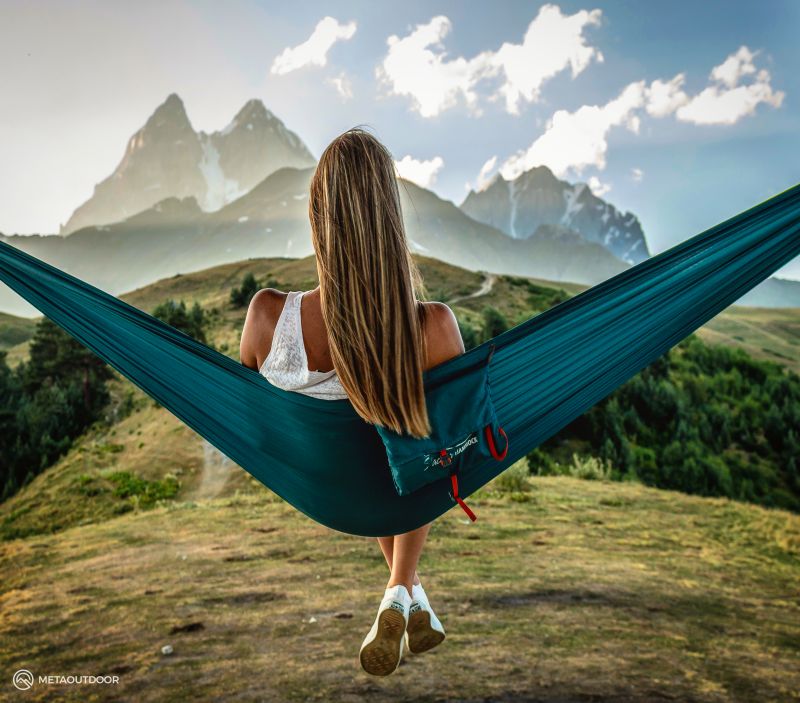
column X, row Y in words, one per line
column 383, row 646
column 424, row 631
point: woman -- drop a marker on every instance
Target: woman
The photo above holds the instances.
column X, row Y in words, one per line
column 362, row 335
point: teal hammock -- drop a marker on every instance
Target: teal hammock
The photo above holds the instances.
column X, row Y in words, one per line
column 330, row 464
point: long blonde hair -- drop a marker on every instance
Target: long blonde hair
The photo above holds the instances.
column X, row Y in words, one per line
column 368, row 283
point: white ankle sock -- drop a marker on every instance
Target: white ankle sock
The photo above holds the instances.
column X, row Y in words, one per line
column 399, row 591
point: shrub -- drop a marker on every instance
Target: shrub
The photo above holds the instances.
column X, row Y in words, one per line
column 494, row 322
column 515, row 479
column 469, row 335
column 189, row 321
column 540, row 463
column 142, row 492
column 589, row 467
column 241, row 296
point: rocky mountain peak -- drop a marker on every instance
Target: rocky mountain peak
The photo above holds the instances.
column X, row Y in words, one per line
column 171, row 113
column 537, row 197
column 253, row 117
column 539, row 177
column 254, row 110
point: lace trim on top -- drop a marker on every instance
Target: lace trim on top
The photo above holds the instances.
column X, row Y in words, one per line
column 286, row 365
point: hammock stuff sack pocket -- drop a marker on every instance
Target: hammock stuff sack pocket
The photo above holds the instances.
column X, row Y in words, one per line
column 465, row 431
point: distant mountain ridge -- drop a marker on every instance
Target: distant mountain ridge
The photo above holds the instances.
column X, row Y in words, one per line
column 167, row 158
column 536, row 197
column 773, row 293
column 177, row 236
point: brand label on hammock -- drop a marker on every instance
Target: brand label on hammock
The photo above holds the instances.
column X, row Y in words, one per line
column 442, row 458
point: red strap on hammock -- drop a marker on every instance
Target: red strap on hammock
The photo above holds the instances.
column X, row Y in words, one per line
column 497, row 455
column 492, row 446
column 460, row 501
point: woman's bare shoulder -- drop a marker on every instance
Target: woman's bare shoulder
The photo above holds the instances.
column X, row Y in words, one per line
column 442, row 335
column 259, row 325
column 267, row 303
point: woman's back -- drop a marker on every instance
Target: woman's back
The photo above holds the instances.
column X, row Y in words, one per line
column 287, row 363
column 285, row 339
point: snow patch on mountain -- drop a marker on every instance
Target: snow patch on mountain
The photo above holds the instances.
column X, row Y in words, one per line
column 512, row 215
column 571, row 199
column 220, row 190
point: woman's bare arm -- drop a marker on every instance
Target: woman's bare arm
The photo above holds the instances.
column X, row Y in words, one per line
column 259, row 326
column 442, row 336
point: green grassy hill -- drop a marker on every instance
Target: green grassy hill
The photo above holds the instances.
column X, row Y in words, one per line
column 564, row 590
column 764, row 333
column 14, row 330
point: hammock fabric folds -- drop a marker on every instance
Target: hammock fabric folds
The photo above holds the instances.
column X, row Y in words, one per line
column 328, row 463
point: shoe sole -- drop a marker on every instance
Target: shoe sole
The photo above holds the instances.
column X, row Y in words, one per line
column 382, row 656
column 421, row 636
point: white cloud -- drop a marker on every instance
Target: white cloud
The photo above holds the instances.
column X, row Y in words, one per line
column 715, row 106
column 725, row 101
column 423, row 173
column 552, row 43
column 343, row 85
column 314, row 50
column 573, row 141
column 735, row 67
column 576, row 140
column 598, row 187
column 433, row 83
column 417, row 65
column 664, row 97
column 637, row 174
column 484, row 175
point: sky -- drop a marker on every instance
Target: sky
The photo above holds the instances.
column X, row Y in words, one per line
column 682, row 112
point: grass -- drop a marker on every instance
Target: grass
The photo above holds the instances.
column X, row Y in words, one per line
column 586, row 591
column 15, row 330
column 764, row 333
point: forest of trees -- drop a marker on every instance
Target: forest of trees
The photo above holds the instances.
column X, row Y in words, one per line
column 703, row 419
column 46, row 402
column 708, row 420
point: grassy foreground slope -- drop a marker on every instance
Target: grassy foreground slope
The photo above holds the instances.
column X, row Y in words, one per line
column 570, row 591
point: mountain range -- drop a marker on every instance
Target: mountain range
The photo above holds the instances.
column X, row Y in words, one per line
column 177, row 236
column 167, row 158
column 182, row 200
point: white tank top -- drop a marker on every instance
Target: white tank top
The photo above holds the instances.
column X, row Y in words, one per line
column 286, row 365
